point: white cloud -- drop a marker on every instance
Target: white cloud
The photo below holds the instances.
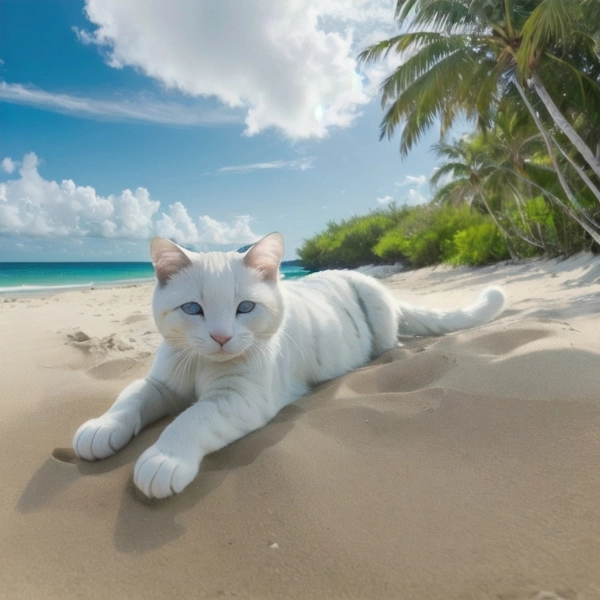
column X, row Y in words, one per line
column 418, row 189
column 217, row 232
column 415, row 197
column 414, row 189
column 177, row 225
column 132, row 215
column 411, row 180
column 358, row 11
column 302, row 164
column 289, row 64
column 443, row 180
column 8, row 165
column 376, row 72
column 33, row 206
column 137, row 109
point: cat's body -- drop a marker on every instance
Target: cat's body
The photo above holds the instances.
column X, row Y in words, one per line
column 239, row 345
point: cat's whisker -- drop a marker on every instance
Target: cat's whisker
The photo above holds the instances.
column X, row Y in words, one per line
column 182, row 362
column 286, row 335
column 251, row 354
column 264, row 350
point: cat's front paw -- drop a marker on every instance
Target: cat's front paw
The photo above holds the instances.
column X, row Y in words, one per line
column 159, row 474
column 102, row 437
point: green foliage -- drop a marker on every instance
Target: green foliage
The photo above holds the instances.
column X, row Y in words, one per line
column 478, row 245
column 457, row 57
column 418, row 235
column 392, row 246
column 463, row 58
column 428, row 235
column 539, row 211
column 348, row 244
column 561, row 235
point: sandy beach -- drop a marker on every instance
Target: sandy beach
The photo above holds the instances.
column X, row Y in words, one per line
column 460, row 467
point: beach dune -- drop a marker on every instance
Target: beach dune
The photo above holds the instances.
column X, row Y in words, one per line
column 457, row 467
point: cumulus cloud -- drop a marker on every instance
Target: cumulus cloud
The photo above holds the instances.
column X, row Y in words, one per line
column 289, row 64
column 443, row 180
column 411, row 180
column 177, row 225
column 413, row 190
column 217, row 232
column 356, row 12
column 33, row 206
column 8, row 165
column 375, row 73
column 415, row 196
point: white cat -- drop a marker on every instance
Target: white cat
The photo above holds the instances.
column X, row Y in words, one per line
column 239, row 345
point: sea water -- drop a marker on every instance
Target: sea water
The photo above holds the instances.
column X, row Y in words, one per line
column 39, row 278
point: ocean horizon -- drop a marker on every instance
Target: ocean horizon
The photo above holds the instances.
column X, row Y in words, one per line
column 49, row 277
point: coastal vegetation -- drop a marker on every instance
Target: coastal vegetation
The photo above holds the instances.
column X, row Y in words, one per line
column 421, row 235
column 525, row 180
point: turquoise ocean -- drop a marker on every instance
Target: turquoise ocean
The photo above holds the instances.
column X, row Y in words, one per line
column 39, row 278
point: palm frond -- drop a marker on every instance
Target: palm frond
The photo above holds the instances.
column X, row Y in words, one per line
column 376, row 51
column 426, row 58
column 441, row 15
column 589, row 88
column 442, row 92
column 456, row 192
column 546, row 23
column 403, row 9
column 449, row 169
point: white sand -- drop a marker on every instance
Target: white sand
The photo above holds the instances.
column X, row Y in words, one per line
column 463, row 467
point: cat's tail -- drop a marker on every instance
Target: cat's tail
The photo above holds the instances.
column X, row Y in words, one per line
column 416, row 320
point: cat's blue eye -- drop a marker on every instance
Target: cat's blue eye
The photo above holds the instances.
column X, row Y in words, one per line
column 192, row 308
column 245, row 307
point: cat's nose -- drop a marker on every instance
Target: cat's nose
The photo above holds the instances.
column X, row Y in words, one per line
column 220, row 339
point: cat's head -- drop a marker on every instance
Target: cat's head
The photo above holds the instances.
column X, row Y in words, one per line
column 220, row 305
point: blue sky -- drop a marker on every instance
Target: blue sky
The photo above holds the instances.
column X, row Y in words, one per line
column 209, row 123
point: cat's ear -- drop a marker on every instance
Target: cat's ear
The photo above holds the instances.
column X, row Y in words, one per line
column 266, row 255
column 168, row 258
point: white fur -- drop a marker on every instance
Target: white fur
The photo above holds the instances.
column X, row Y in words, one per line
column 300, row 333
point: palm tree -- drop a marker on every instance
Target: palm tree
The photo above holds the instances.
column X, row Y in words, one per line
column 464, row 178
column 458, row 59
column 462, row 56
column 502, row 171
column 553, row 30
column 467, row 57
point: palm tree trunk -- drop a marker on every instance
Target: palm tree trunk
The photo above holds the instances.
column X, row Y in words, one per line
column 579, row 171
column 563, row 182
column 513, row 254
column 563, row 124
column 530, row 239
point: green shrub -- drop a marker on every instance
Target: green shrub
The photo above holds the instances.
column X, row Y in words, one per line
column 421, row 235
column 391, row 246
column 347, row 244
column 426, row 235
column 477, row 245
